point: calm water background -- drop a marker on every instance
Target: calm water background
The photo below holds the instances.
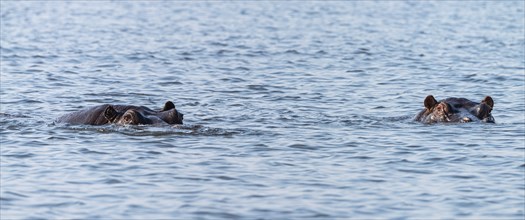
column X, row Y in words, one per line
column 292, row 110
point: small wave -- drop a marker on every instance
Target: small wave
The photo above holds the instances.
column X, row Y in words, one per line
column 257, row 87
column 59, row 204
column 20, row 155
column 217, row 214
column 303, row 147
column 112, row 181
column 456, row 176
column 416, row 171
column 291, row 51
column 364, row 51
column 8, row 196
column 88, row 151
column 144, row 130
column 7, row 115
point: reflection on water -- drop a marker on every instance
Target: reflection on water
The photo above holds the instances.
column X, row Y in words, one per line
column 291, row 110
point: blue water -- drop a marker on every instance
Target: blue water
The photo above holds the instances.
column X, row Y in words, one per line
column 292, row 110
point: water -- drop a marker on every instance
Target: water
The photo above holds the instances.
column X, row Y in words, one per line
column 292, row 110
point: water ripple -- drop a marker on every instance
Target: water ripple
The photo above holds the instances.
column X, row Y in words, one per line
column 292, row 111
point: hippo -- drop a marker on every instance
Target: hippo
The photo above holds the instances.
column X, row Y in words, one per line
column 124, row 115
column 456, row 110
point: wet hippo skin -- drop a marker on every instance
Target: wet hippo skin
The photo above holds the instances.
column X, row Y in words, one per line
column 123, row 114
column 456, row 110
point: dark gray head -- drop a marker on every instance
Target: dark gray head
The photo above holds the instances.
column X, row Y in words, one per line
column 456, row 110
column 129, row 117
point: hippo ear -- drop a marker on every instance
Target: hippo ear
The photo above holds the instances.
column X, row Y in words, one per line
column 168, row 106
column 430, row 102
column 110, row 113
column 488, row 100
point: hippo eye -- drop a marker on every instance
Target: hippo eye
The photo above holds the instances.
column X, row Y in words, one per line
column 127, row 118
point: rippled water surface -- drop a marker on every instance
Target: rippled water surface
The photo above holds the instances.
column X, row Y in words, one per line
column 292, row 110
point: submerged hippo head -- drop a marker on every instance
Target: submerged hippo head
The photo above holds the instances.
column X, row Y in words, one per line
column 130, row 117
column 456, row 110
column 123, row 114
